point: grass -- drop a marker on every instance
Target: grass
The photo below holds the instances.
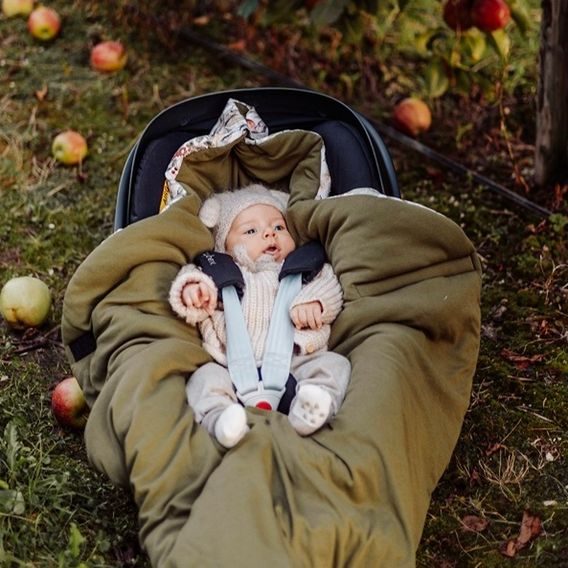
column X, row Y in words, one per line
column 55, row 510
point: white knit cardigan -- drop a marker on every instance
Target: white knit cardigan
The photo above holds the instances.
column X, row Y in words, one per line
column 257, row 304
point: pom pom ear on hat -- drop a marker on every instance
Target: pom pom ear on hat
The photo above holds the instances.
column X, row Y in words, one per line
column 210, row 212
column 281, row 197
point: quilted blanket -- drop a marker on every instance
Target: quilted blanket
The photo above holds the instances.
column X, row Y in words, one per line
column 355, row 493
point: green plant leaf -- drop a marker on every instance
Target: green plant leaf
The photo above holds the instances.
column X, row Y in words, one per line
column 520, row 15
column 437, row 81
column 76, row 540
column 328, row 12
column 476, row 44
column 12, row 502
column 12, row 445
column 501, row 42
column 559, row 222
column 423, row 41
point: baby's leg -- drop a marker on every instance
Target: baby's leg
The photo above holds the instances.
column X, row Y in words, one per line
column 211, row 395
column 322, row 381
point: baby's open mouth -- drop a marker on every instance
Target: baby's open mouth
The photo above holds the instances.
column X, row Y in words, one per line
column 272, row 249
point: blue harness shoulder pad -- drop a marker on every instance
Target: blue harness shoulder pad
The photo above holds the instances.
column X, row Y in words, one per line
column 222, row 269
column 307, row 260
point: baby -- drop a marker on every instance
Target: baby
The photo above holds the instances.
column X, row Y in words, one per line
column 249, row 225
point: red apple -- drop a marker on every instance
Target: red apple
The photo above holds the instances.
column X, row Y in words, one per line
column 490, row 15
column 25, row 301
column 69, row 147
column 412, row 116
column 68, row 404
column 108, row 56
column 17, row 7
column 44, row 23
column 457, row 14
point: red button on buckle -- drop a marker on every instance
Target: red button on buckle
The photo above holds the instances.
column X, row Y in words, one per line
column 264, row 405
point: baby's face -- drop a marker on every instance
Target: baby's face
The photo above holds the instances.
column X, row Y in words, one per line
column 261, row 230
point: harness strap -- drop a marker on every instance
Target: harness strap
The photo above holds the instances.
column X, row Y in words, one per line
column 240, row 356
column 280, row 340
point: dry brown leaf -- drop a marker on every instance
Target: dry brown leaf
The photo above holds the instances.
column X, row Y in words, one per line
column 531, row 527
column 521, row 362
column 201, row 20
column 238, row 46
column 474, row 523
column 41, row 94
column 509, row 548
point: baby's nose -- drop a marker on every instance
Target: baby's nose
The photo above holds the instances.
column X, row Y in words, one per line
column 269, row 232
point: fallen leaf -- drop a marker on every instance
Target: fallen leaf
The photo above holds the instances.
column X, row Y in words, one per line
column 521, row 362
column 509, row 548
column 41, row 94
column 531, row 527
column 201, row 20
column 238, row 46
column 474, row 524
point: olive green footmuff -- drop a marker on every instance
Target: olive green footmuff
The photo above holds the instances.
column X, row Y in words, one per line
column 355, row 493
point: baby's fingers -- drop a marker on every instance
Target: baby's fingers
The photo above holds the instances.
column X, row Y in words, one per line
column 208, row 298
column 212, row 301
column 295, row 316
column 196, row 296
column 318, row 317
column 310, row 318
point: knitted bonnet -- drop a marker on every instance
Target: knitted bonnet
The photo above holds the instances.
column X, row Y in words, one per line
column 219, row 211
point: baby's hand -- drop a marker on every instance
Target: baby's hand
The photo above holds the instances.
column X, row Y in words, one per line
column 201, row 296
column 307, row 315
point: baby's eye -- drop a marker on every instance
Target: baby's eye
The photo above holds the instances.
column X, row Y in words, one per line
column 250, row 231
column 280, row 227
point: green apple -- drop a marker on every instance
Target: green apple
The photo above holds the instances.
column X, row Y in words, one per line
column 12, row 8
column 25, row 302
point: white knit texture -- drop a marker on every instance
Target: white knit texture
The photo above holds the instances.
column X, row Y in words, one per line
column 189, row 274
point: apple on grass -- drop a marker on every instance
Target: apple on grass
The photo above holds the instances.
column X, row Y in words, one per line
column 108, row 56
column 17, row 7
column 412, row 116
column 44, row 23
column 490, row 15
column 68, row 404
column 69, row 147
column 25, row 302
column 457, row 14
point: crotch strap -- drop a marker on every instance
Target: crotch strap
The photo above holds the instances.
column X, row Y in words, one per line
column 278, row 349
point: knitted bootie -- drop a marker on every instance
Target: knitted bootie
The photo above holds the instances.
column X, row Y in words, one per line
column 231, row 426
column 310, row 409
